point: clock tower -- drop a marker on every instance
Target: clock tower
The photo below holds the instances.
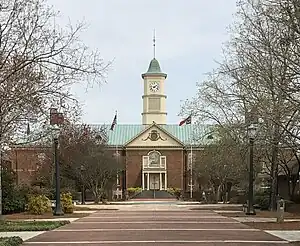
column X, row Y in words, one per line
column 154, row 99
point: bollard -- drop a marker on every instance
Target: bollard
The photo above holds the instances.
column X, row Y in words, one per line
column 280, row 210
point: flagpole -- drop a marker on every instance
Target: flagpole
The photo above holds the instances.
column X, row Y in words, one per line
column 191, row 169
column 191, row 164
column 117, row 154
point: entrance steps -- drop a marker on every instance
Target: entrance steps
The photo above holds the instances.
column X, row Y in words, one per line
column 151, row 194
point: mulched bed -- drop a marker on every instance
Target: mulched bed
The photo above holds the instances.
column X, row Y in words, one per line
column 25, row 216
column 274, row 226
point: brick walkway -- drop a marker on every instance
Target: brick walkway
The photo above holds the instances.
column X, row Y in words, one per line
column 168, row 228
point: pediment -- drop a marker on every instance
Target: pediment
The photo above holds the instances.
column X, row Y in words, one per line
column 154, row 136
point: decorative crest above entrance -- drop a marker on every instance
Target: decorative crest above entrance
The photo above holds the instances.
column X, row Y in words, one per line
column 154, row 135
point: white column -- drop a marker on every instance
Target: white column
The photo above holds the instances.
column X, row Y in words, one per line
column 143, row 181
column 148, row 181
column 166, row 181
column 160, row 181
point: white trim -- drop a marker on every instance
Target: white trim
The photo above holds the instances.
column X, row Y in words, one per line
column 164, row 166
column 160, row 181
column 181, row 144
column 166, row 187
column 157, row 171
column 148, row 180
column 180, row 148
column 145, row 160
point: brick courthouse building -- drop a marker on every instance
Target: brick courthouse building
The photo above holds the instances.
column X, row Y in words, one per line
column 154, row 154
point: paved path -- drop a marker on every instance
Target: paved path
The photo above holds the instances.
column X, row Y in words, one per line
column 156, row 227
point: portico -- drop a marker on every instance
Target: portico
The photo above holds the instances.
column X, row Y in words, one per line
column 152, row 180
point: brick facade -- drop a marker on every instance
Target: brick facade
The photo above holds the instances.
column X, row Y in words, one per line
column 175, row 167
column 26, row 161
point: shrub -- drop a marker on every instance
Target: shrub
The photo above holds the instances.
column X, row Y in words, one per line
column 14, row 202
column 13, row 196
column 262, row 199
column 10, row 241
column 174, row 191
column 67, row 203
column 38, row 204
column 134, row 190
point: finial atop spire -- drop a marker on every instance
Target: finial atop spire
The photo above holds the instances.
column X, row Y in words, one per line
column 154, row 43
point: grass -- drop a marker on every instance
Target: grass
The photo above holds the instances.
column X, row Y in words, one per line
column 30, row 225
column 10, row 241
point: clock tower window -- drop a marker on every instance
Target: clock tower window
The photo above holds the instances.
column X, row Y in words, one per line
column 154, row 104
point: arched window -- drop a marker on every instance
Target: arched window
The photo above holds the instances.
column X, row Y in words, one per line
column 154, row 158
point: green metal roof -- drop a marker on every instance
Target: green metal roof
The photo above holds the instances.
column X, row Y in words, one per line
column 154, row 69
column 124, row 133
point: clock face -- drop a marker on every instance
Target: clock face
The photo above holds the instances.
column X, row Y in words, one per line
column 154, row 86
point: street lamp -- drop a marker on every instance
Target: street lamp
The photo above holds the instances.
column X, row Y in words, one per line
column 252, row 129
column 58, row 210
column 82, row 169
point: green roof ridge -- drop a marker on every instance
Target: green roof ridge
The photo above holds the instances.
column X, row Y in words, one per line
column 122, row 133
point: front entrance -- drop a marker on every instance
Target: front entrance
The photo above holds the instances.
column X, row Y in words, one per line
column 154, row 181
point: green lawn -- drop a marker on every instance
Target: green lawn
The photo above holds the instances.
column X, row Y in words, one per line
column 31, row 225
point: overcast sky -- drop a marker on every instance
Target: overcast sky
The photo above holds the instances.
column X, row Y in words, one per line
column 189, row 38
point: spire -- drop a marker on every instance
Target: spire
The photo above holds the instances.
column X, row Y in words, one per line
column 154, row 68
column 154, row 43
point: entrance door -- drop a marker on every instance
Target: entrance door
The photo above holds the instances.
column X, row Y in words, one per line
column 154, row 181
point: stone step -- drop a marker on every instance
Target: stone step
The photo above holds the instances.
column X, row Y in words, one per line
column 151, row 194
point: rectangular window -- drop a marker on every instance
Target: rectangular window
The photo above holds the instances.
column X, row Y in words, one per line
column 145, row 161
column 154, row 104
column 163, row 162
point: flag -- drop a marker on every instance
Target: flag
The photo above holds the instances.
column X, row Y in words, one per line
column 113, row 123
column 186, row 121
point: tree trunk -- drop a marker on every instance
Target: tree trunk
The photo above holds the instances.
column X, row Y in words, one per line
column 97, row 196
column 218, row 193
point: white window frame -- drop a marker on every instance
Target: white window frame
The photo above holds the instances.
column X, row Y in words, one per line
column 145, row 161
column 163, row 162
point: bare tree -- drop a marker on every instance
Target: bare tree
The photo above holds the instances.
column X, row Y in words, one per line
column 222, row 162
column 259, row 70
column 39, row 61
column 85, row 159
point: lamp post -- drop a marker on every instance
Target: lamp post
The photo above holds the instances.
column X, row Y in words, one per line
column 56, row 119
column 82, row 169
column 252, row 134
column 57, row 210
